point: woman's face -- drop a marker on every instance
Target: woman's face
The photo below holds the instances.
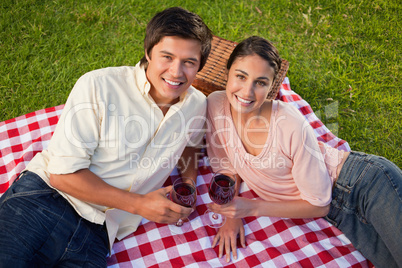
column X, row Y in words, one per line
column 249, row 82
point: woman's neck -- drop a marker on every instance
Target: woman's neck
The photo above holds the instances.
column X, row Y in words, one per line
column 254, row 118
column 253, row 128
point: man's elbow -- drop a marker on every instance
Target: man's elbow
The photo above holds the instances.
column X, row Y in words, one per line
column 54, row 180
column 57, row 181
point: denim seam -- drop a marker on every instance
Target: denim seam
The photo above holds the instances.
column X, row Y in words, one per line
column 346, row 190
column 81, row 224
column 30, row 193
column 55, row 226
column 33, row 193
column 389, row 179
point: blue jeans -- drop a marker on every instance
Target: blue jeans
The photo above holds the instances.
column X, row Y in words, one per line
column 39, row 228
column 367, row 207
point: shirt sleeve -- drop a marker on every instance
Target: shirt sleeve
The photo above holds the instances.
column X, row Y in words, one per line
column 309, row 170
column 76, row 136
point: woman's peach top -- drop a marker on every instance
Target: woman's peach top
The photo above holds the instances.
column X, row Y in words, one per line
column 292, row 165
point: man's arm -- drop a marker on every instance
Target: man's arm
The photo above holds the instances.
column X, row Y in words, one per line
column 88, row 187
column 188, row 162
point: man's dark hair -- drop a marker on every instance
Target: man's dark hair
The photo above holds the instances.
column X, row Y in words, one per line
column 176, row 21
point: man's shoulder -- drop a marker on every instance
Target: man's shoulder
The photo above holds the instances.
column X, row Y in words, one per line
column 112, row 71
column 196, row 94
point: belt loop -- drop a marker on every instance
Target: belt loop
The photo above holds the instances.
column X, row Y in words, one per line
column 343, row 188
column 20, row 175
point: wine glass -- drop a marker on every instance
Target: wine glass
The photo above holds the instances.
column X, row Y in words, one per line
column 183, row 193
column 222, row 189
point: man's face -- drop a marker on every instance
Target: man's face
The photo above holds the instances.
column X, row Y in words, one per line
column 172, row 67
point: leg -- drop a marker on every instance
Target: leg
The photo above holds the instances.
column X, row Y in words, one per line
column 87, row 248
column 37, row 224
column 26, row 221
column 367, row 207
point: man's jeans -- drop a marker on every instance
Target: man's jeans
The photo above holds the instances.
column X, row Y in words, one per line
column 39, row 228
column 367, row 207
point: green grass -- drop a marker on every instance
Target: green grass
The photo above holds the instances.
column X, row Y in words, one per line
column 343, row 54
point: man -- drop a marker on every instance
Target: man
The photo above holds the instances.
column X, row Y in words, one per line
column 122, row 131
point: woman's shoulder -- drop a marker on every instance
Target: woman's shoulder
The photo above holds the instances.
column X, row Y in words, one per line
column 216, row 96
column 287, row 109
column 288, row 118
column 216, row 101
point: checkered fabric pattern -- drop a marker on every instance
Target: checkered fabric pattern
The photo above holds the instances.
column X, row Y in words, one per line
column 271, row 242
column 23, row 137
column 321, row 131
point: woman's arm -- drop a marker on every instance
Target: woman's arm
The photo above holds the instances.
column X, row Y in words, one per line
column 88, row 187
column 242, row 207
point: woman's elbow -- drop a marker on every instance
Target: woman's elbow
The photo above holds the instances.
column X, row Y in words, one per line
column 324, row 210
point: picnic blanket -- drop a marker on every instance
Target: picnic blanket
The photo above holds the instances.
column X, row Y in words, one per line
column 271, row 242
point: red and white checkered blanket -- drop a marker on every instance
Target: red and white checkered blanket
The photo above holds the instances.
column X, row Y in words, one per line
column 271, row 242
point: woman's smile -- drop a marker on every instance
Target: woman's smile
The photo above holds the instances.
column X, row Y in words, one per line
column 243, row 101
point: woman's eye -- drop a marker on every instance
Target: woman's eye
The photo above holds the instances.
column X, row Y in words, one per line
column 240, row 76
column 262, row 84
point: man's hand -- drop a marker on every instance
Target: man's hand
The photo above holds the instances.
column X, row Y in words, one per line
column 155, row 207
column 227, row 237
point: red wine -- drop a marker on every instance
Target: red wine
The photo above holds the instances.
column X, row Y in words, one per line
column 222, row 190
column 184, row 194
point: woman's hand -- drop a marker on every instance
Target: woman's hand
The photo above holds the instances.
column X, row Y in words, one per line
column 239, row 207
column 227, row 237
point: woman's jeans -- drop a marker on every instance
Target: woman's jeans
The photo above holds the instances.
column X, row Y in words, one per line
column 367, row 207
column 39, row 228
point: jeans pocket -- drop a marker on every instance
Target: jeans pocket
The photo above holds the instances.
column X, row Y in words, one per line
column 87, row 246
column 353, row 173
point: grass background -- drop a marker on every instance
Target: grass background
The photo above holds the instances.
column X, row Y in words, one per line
column 345, row 56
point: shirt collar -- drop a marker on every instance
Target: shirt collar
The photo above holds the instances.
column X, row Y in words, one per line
column 142, row 82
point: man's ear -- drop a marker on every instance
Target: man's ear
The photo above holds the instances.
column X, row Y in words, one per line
column 147, row 56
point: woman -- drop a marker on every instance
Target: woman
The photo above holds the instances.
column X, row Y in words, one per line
column 274, row 150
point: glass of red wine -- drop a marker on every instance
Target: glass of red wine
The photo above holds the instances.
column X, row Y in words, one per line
column 222, row 189
column 183, row 193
